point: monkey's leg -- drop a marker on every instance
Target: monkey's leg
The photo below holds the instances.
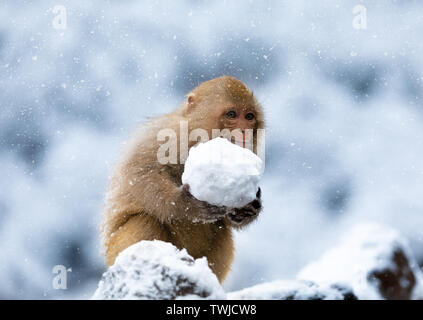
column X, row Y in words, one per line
column 137, row 228
column 210, row 240
column 221, row 254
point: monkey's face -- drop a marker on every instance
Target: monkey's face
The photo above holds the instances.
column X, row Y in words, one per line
column 225, row 104
column 235, row 117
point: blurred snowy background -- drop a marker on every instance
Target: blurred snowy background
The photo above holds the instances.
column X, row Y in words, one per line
column 344, row 110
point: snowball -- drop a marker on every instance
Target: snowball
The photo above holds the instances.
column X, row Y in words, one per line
column 158, row 270
column 222, row 173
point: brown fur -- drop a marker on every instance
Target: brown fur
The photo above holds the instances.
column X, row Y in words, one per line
column 145, row 200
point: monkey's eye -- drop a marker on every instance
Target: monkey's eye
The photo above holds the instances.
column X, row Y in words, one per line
column 231, row 114
column 249, row 116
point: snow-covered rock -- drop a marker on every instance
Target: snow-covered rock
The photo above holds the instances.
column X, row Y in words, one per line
column 222, row 173
column 374, row 260
column 294, row 290
column 158, row 270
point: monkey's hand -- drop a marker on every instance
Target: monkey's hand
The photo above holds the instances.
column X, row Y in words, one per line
column 202, row 211
column 240, row 217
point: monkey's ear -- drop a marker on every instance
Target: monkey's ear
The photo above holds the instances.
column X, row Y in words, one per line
column 190, row 102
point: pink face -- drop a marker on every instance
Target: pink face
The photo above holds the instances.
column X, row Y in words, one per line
column 234, row 117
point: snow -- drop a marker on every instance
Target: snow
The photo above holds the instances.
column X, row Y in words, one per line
column 371, row 262
column 293, row 290
column 222, row 173
column 366, row 257
column 158, row 270
column 344, row 136
column 418, row 290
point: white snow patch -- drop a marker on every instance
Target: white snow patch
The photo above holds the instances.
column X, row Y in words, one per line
column 291, row 290
column 222, row 173
column 368, row 248
column 158, row 270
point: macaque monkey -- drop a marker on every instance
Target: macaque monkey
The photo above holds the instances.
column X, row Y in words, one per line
column 146, row 199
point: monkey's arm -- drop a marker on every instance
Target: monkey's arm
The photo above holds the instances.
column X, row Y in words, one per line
column 168, row 201
column 155, row 200
column 240, row 217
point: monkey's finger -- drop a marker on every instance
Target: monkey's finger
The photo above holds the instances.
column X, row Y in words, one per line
column 256, row 204
column 258, row 194
column 247, row 212
column 186, row 188
column 236, row 217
